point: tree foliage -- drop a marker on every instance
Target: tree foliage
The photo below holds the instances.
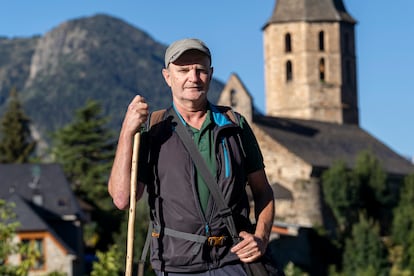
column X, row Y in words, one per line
column 372, row 182
column 361, row 190
column 341, row 193
column 108, row 263
column 85, row 149
column 365, row 253
column 8, row 247
column 347, row 192
column 403, row 224
column 16, row 142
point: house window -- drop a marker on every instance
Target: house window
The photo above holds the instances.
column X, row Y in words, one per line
column 289, row 71
column 288, row 43
column 321, row 41
column 322, row 69
column 36, row 244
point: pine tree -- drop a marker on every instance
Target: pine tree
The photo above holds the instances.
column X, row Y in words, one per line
column 374, row 193
column 365, row 253
column 341, row 193
column 403, row 224
column 85, row 149
column 349, row 192
column 16, row 144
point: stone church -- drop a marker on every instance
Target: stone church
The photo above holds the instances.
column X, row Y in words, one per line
column 311, row 118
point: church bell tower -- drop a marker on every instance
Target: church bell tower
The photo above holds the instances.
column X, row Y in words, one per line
column 310, row 62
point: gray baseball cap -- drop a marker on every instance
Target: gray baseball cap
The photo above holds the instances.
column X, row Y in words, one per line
column 177, row 48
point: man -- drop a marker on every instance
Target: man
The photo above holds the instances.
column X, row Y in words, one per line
column 182, row 211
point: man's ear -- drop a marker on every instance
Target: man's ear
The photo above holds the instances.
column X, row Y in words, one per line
column 166, row 75
column 211, row 73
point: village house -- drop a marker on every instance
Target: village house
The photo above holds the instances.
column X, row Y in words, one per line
column 49, row 215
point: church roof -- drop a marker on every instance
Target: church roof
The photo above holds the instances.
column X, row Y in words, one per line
column 310, row 10
column 321, row 143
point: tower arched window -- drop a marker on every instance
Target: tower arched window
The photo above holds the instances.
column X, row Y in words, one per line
column 348, row 73
column 289, row 71
column 288, row 43
column 321, row 41
column 346, row 42
column 322, row 69
column 233, row 101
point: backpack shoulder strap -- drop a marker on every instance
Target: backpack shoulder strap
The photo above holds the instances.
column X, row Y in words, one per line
column 155, row 117
column 230, row 113
column 235, row 117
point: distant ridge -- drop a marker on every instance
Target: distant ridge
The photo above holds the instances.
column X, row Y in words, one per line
column 99, row 57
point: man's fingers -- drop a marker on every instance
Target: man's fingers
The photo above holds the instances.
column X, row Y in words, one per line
column 248, row 250
column 249, row 256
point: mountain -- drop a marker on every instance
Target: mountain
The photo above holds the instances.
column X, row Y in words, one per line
column 98, row 57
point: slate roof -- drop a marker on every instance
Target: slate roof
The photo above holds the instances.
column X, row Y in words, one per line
column 44, row 200
column 26, row 216
column 45, row 183
column 310, row 10
column 321, row 144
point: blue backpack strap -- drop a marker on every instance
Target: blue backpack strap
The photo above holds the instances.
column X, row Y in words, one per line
column 227, row 111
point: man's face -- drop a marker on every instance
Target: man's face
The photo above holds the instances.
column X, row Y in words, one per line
column 189, row 76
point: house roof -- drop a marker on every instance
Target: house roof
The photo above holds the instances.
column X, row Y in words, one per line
column 44, row 200
column 321, row 143
column 43, row 184
column 30, row 221
column 310, row 10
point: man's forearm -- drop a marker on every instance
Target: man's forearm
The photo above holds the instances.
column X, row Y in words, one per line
column 264, row 221
column 119, row 180
column 263, row 204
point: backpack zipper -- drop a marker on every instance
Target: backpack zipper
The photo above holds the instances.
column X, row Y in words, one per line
column 226, row 158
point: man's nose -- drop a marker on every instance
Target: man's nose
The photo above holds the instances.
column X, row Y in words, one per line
column 194, row 75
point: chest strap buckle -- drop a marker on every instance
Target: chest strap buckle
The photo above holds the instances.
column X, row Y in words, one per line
column 216, row 241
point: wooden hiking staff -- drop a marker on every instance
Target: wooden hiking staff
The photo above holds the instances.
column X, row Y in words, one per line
column 132, row 204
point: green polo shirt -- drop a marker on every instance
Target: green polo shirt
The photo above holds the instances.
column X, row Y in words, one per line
column 204, row 140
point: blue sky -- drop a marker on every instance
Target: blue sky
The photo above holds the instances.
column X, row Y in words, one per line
column 232, row 29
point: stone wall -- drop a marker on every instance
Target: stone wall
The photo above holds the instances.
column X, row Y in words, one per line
column 291, row 172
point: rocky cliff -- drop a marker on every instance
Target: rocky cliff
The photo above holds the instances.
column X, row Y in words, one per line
column 99, row 57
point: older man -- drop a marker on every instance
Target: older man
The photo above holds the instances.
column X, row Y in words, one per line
column 184, row 214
